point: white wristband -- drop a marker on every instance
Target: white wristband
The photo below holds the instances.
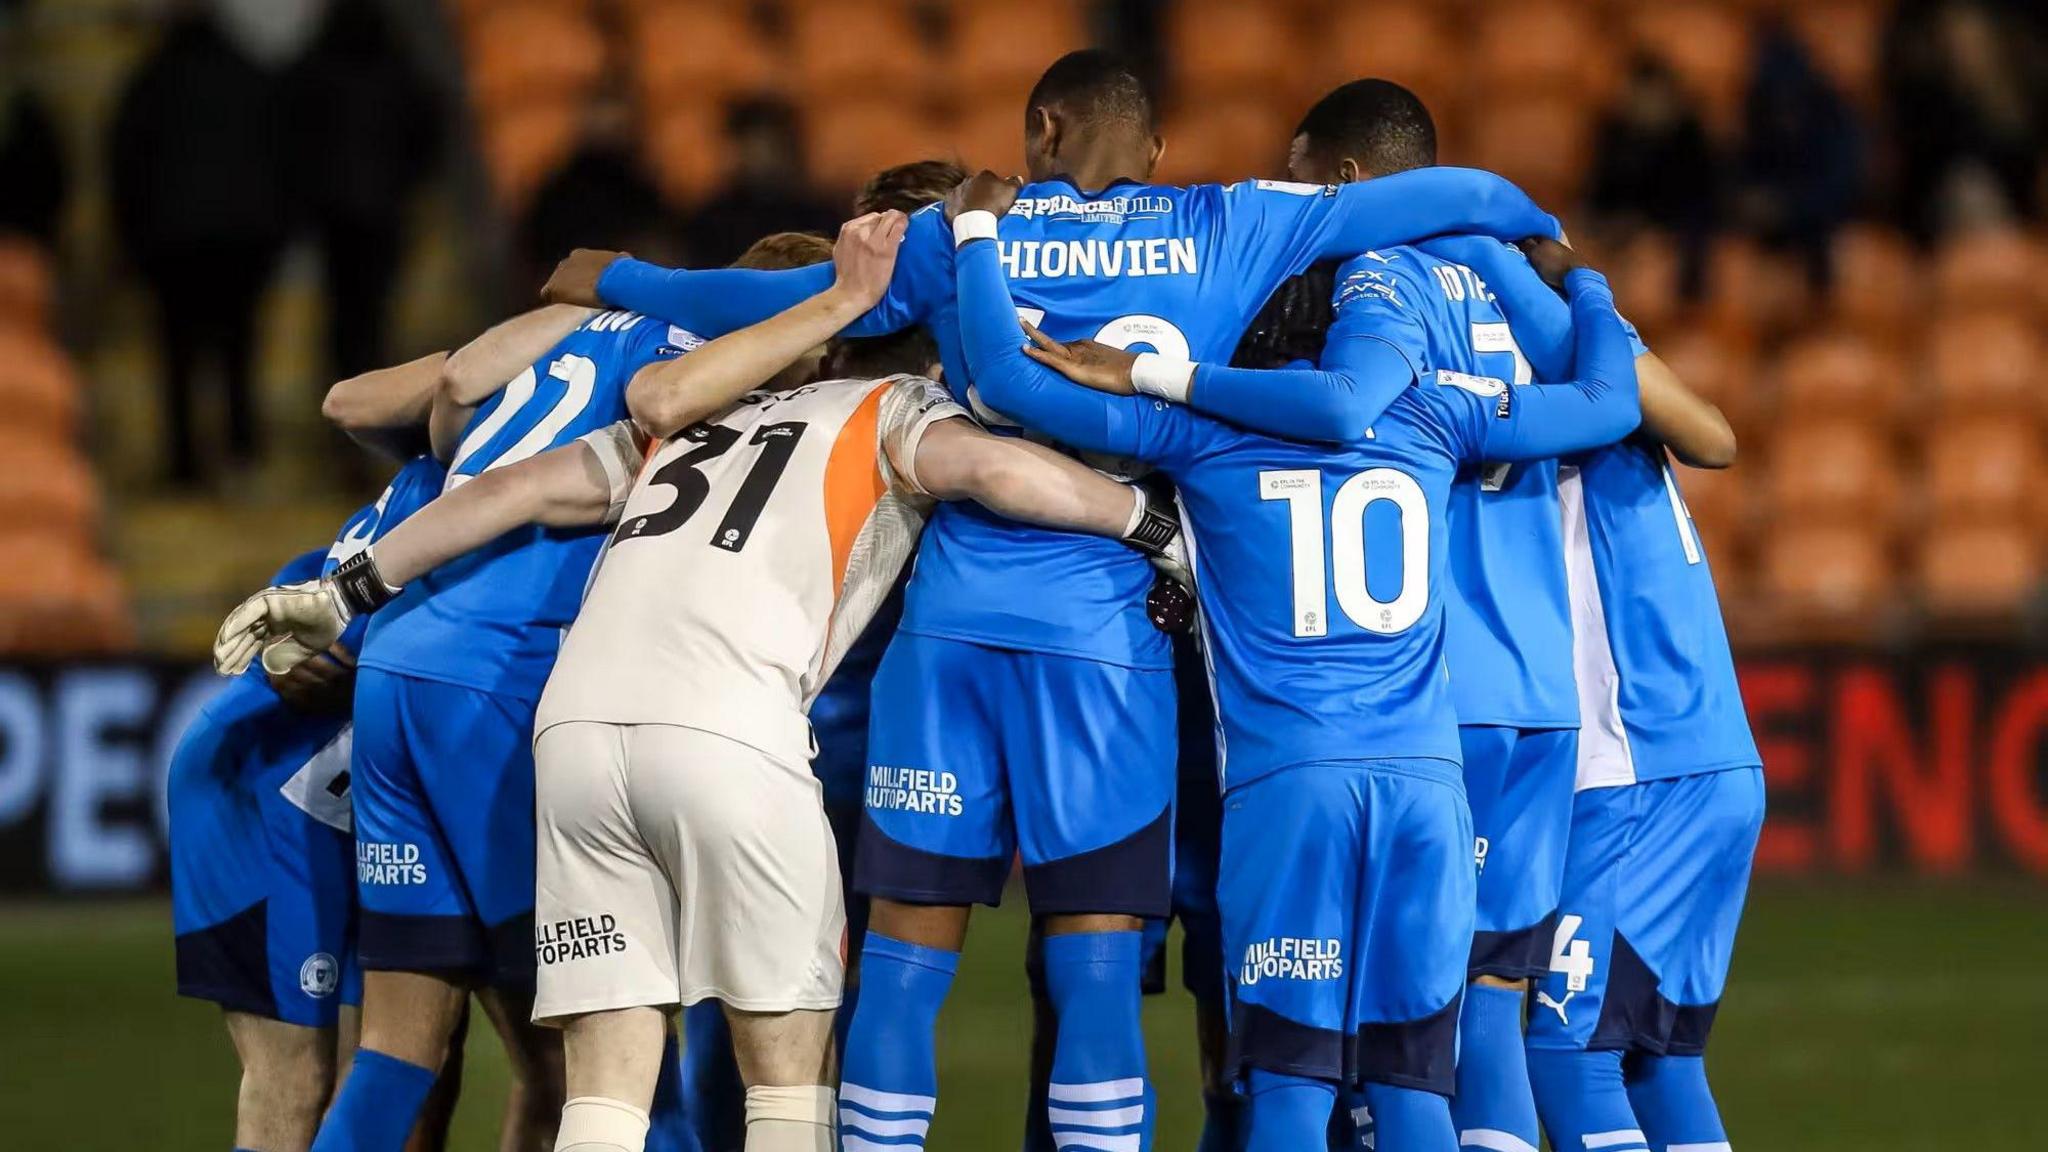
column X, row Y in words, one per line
column 975, row 225
column 1139, row 502
column 1155, row 375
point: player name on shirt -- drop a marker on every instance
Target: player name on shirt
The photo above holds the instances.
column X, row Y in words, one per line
column 1053, row 259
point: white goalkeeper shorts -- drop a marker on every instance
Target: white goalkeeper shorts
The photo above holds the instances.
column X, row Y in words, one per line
column 675, row 865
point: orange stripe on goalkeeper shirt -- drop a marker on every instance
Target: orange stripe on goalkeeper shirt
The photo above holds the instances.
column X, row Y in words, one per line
column 853, row 481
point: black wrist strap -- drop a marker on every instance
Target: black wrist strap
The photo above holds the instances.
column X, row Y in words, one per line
column 1155, row 532
column 361, row 587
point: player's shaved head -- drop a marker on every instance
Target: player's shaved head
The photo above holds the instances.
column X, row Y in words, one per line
column 1091, row 110
column 1363, row 129
column 908, row 187
column 781, row 251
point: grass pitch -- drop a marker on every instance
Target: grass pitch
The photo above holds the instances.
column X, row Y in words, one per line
column 1859, row 1017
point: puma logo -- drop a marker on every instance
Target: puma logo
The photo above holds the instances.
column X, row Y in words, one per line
column 1557, row 1006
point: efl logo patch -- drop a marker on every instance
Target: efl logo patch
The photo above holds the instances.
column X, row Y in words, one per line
column 1292, row 958
column 320, row 975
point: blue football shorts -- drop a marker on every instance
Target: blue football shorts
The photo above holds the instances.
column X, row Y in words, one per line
column 1347, row 896
column 444, row 828
column 1519, row 783
column 1653, row 891
column 262, row 892
column 979, row 754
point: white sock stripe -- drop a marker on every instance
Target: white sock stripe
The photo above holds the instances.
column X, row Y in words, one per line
column 1620, row 1137
column 1100, row 1092
column 850, row 1143
column 1494, row 1140
column 1718, row 1146
column 1105, row 1118
column 877, row 1101
column 851, row 1121
column 1096, row 1142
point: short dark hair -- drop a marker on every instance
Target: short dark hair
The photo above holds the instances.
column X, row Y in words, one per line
column 911, row 352
column 1293, row 322
column 1098, row 87
column 908, row 187
column 1375, row 122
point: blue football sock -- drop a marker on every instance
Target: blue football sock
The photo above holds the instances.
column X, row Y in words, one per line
column 1223, row 1127
column 1287, row 1113
column 1410, row 1119
column 713, row 1098
column 377, row 1107
column 1098, row 1085
column 1583, row 1102
column 1676, row 1107
column 890, row 1083
column 1045, row 1030
column 668, row 1122
column 1494, row 1108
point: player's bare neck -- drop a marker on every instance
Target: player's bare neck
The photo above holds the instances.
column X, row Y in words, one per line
column 1093, row 164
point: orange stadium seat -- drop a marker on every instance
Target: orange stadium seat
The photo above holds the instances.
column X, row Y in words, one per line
column 1826, row 581
column 1542, row 46
column 1539, row 141
column 1721, row 370
column 1717, row 498
column 1004, row 47
column 39, row 388
column 861, row 50
column 1844, row 37
column 1221, row 47
column 1878, row 289
column 58, row 599
column 1706, row 44
column 1987, row 362
column 534, row 51
column 523, row 145
column 848, row 141
column 678, row 155
column 1645, row 274
column 695, row 51
column 1988, row 268
column 1839, row 373
column 26, row 283
column 1753, row 290
column 1983, row 468
column 1977, row 571
column 1406, row 42
column 990, row 133
column 1224, row 140
column 46, row 486
column 1836, row 469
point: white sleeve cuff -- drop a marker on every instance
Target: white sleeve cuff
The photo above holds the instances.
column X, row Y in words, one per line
column 1156, row 375
column 975, row 225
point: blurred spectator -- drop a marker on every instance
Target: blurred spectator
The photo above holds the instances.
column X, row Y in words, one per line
column 199, row 201
column 1802, row 152
column 601, row 197
column 365, row 130
column 1968, row 106
column 32, row 195
column 1655, row 166
column 767, row 192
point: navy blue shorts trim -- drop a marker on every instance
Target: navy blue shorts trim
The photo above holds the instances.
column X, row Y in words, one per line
column 1520, row 954
column 891, row 870
column 229, row 963
column 1636, row 1017
column 1419, row 1054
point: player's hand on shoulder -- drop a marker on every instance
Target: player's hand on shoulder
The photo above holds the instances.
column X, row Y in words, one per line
column 1085, row 362
column 574, row 280
column 1551, row 259
column 982, row 192
column 287, row 624
column 864, row 256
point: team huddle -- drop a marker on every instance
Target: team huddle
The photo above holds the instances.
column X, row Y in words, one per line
column 1299, row 559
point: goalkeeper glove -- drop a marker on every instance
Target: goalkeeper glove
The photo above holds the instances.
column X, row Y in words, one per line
column 290, row 623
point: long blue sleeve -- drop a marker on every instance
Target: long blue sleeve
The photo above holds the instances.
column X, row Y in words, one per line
column 1360, row 376
column 1599, row 407
column 709, row 301
column 1542, row 322
column 1408, row 206
column 1019, row 387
